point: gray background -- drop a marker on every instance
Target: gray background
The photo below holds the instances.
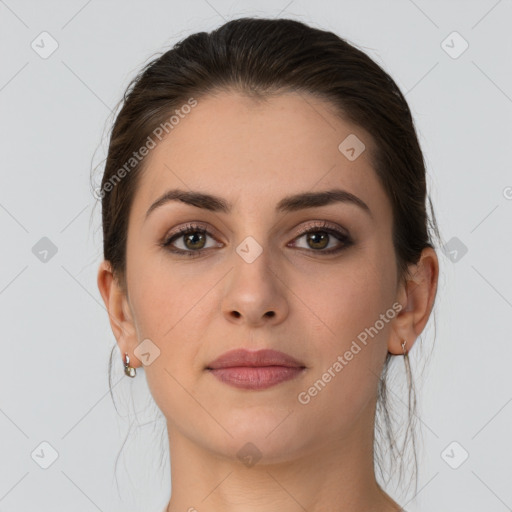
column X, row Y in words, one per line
column 55, row 333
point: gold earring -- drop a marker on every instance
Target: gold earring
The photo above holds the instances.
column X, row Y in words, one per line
column 129, row 370
column 403, row 347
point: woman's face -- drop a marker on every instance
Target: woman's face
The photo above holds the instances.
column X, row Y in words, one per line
column 253, row 280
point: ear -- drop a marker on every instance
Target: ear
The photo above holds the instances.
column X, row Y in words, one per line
column 119, row 312
column 416, row 296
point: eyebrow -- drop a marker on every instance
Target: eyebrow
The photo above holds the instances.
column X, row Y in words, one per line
column 288, row 204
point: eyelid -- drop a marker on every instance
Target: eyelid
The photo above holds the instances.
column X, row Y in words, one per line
column 324, row 224
column 199, row 225
column 193, row 225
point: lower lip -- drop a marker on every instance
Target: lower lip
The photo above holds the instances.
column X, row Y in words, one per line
column 261, row 377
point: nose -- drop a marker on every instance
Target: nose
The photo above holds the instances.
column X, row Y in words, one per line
column 255, row 293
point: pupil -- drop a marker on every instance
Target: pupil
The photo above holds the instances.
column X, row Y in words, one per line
column 191, row 237
column 314, row 235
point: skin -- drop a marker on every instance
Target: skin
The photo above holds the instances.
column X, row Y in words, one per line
column 314, row 456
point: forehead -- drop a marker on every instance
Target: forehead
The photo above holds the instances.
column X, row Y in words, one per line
column 244, row 150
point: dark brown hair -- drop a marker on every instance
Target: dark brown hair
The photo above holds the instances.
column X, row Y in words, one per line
column 260, row 57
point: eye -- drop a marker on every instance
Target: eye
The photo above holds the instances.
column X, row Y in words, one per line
column 319, row 238
column 192, row 239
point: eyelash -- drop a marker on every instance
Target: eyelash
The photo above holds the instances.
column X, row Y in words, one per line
column 320, row 227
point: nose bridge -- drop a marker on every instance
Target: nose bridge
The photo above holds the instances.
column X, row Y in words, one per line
column 254, row 291
column 253, row 242
column 255, row 255
column 252, row 262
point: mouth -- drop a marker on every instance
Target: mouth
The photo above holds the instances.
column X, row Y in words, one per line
column 258, row 358
column 255, row 370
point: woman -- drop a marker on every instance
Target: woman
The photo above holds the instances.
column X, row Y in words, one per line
column 266, row 255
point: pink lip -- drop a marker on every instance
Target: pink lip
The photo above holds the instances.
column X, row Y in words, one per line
column 255, row 369
column 243, row 357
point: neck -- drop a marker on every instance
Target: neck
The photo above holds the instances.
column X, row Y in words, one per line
column 332, row 474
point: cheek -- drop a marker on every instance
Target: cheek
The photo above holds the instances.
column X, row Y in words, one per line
column 168, row 309
column 160, row 293
column 353, row 306
column 173, row 306
column 349, row 298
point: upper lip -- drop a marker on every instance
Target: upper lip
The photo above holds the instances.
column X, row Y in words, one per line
column 243, row 357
